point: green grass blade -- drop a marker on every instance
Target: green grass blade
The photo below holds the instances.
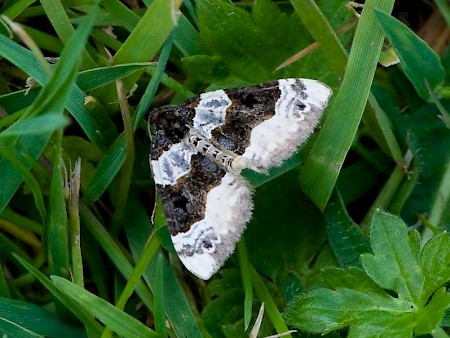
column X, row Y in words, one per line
column 9, row 249
column 152, row 87
column 43, row 124
column 440, row 204
column 247, row 282
column 147, row 255
column 44, row 40
column 98, row 77
column 324, row 162
column 113, row 251
column 389, row 189
column 124, row 16
column 54, row 94
column 52, row 98
column 176, row 302
column 322, row 33
column 381, row 129
column 160, row 318
column 25, row 60
column 61, row 23
column 90, row 324
column 269, row 304
column 74, row 224
column 19, row 167
column 337, row 58
column 17, row 8
column 32, row 145
column 31, row 316
column 57, row 226
column 148, row 36
column 26, row 224
column 419, row 62
column 107, row 169
column 120, row 322
column 86, row 80
column 186, row 37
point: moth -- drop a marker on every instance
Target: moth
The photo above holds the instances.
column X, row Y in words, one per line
column 200, row 147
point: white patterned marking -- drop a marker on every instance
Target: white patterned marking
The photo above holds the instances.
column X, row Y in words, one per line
column 207, row 244
column 211, row 111
column 204, row 248
column 172, row 164
column 297, row 112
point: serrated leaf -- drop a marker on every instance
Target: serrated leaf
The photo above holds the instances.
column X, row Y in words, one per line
column 358, row 300
column 393, row 265
column 432, row 315
column 352, row 278
column 325, row 310
column 435, row 263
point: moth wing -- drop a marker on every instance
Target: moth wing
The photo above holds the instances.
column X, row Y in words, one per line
column 209, row 241
column 207, row 210
column 268, row 122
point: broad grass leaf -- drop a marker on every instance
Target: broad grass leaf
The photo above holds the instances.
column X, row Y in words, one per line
column 419, row 62
column 36, row 320
column 115, row 319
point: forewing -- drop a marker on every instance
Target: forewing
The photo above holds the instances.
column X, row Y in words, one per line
column 206, row 208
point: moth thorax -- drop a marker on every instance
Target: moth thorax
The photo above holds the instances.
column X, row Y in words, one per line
column 223, row 158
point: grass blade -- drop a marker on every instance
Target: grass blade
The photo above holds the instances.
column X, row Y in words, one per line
column 325, row 160
column 419, row 62
column 120, row 322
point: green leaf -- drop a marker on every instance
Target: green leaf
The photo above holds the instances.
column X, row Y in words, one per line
column 344, row 236
column 435, row 262
column 250, row 45
column 393, row 265
column 25, row 317
column 25, row 60
column 56, row 224
column 433, row 313
column 138, row 230
column 325, row 310
column 228, row 31
column 208, row 69
column 318, row 177
column 107, row 168
column 39, row 125
column 115, row 319
column 358, row 299
column 90, row 324
column 419, row 62
column 148, row 36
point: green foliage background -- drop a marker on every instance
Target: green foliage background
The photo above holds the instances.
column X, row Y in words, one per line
column 114, row 271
